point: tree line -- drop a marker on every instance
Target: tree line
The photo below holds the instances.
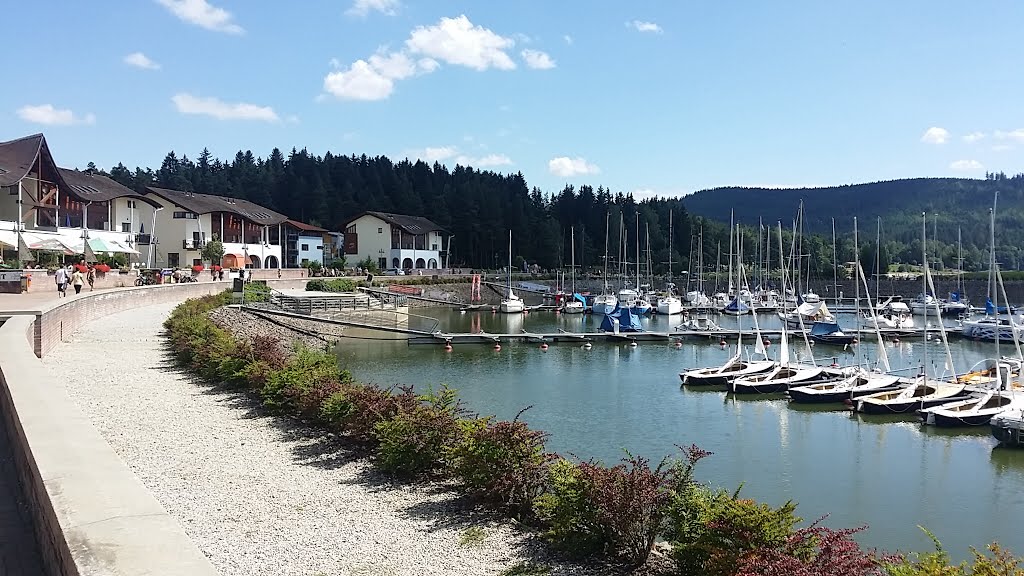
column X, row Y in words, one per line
column 479, row 207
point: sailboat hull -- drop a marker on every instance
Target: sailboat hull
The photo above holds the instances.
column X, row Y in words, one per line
column 979, row 418
column 869, row 405
column 809, row 395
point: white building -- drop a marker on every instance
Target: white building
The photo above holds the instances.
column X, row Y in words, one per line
column 304, row 243
column 394, row 241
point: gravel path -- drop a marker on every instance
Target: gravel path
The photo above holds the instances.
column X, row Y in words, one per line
column 258, row 494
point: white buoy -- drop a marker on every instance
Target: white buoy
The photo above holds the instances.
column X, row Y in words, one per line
column 588, row 345
column 632, row 344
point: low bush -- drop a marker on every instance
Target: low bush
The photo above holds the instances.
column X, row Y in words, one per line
column 564, row 510
column 501, row 463
column 816, row 551
column 413, row 440
column 331, row 285
column 256, row 292
column 369, row 405
column 305, row 380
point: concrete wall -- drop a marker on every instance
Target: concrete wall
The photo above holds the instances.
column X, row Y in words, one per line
column 91, row 514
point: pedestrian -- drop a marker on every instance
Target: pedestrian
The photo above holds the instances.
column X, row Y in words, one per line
column 60, row 277
column 220, row 274
column 78, row 280
column 213, row 273
column 91, row 277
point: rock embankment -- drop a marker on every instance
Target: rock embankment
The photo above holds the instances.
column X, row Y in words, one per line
column 246, row 326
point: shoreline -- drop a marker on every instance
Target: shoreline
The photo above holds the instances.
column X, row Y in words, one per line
column 265, row 494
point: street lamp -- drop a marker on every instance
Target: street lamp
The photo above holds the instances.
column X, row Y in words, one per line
column 152, row 237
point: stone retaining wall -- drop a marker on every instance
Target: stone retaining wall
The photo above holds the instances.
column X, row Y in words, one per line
column 90, row 513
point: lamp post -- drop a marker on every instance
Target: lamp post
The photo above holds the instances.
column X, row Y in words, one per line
column 152, row 237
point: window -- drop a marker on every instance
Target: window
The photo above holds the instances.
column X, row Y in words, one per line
column 304, row 247
column 185, row 215
column 131, row 204
column 197, row 262
column 433, row 247
column 319, row 248
column 380, row 230
column 172, row 259
column 126, row 227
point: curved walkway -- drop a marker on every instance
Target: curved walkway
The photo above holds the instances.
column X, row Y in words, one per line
column 255, row 494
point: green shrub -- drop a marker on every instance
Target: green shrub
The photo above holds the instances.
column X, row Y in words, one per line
column 371, row 405
column 307, row 372
column 331, row 285
column 566, row 512
column 335, row 409
column 500, row 463
column 256, row 292
column 413, row 440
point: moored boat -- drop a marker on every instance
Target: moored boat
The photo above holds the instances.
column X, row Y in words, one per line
column 859, row 384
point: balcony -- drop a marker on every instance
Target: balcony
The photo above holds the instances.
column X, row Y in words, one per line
column 144, row 239
column 192, row 244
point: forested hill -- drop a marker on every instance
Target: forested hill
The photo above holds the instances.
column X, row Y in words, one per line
column 958, row 203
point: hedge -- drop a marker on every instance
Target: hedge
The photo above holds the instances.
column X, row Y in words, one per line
column 585, row 508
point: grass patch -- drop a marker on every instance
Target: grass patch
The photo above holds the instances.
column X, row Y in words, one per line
column 472, row 536
column 527, row 569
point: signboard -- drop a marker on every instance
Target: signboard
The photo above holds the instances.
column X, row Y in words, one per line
column 410, row 290
column 10, row 281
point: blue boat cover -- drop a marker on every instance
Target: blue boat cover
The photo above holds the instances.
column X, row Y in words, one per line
column 628, row 322
column 990, row 308
column 954, row 296
column 580, row 297
column 737, row 306
column 824, row 328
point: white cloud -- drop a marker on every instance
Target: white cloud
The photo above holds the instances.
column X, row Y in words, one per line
column 140, row 60
column 364, row 7
column 967, row 166
column 974, row 137
column 538, row 60
column 1015, row 135
column 935, row 135
column 568, row 39
column 641, row 26
column 203, row 14
column 453, row 41
column 451, row 155
column 645, row 193
column 189, row 104
column 374, row 80
column 566, row 167
column 50, row 116
column 1001, row 147
column 457, row 41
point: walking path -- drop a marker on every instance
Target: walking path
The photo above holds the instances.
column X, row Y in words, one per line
column 256, row 494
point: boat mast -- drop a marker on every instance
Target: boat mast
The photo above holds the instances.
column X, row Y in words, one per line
column 637, row 287
column 670, row 245
column 959, row 265
column 760, row 260
column 572, row 259
column 728, row 288
column 878, row 258
column 924, row 268
column 510, row 263
column 856, row 292
column 607, row 219
column 784, row 346
column 992, row 248
column 835, row 262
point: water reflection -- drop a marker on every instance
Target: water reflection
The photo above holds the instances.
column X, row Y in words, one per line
column 885, row 471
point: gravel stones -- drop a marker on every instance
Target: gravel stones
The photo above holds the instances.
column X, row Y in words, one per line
column 262, row 495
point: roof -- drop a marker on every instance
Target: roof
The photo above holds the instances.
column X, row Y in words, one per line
column 17, row 157
column 206, row 203
column 305, row 227
column 410, row 224
column 96, row 188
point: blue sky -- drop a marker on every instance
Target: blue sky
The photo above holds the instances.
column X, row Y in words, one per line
column 649, row 97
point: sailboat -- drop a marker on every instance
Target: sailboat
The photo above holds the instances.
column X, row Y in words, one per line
column 575, row 303
column 606, row 301
column 670, row 304
column 512, row 304
column 991, row 327
column 924, row 393
column 637, row 304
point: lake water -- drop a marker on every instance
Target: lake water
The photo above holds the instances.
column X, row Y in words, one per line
column 889, row 473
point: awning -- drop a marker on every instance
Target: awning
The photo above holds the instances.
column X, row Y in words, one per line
column 100, row 245
column 9, row 238
column 233, row 261
column 47, row 243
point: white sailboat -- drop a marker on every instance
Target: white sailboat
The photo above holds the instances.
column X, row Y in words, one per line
column 572, row 305
column 670, row 304
column 606, row 302
column 512, row 304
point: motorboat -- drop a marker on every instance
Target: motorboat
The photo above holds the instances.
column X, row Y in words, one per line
column 989, row 328
column 925, row 304
column 697, row 299
column 783, row 377
column 1008, row 426
column 892, row 315
column 807, row 314
column 698, row 323
column 920, row 395
column 605, row 303
column 824, row 332
column 669, row 305
column 859, row 384
column 573, row 306
column 722, row 375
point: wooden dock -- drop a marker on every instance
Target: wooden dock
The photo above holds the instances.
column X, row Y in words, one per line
column 728, row 336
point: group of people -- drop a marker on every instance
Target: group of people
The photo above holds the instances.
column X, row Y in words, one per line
column 73, row 275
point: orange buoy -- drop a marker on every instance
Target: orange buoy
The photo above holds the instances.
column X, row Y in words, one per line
column 722, row 343
column 447, row 347
column 895, row 340
column 497, row 346
column 543, row 346
column 856, row 341
column 767, row 342
column 679, row 344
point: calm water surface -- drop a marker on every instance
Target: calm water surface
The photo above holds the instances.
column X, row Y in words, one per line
column 889, row 473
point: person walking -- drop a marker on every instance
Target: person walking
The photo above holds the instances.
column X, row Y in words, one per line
column 91, row 277
column 60, row 277
column 78, row 280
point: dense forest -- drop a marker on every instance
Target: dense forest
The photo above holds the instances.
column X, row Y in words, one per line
column 952, row 206
column 479, row 207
